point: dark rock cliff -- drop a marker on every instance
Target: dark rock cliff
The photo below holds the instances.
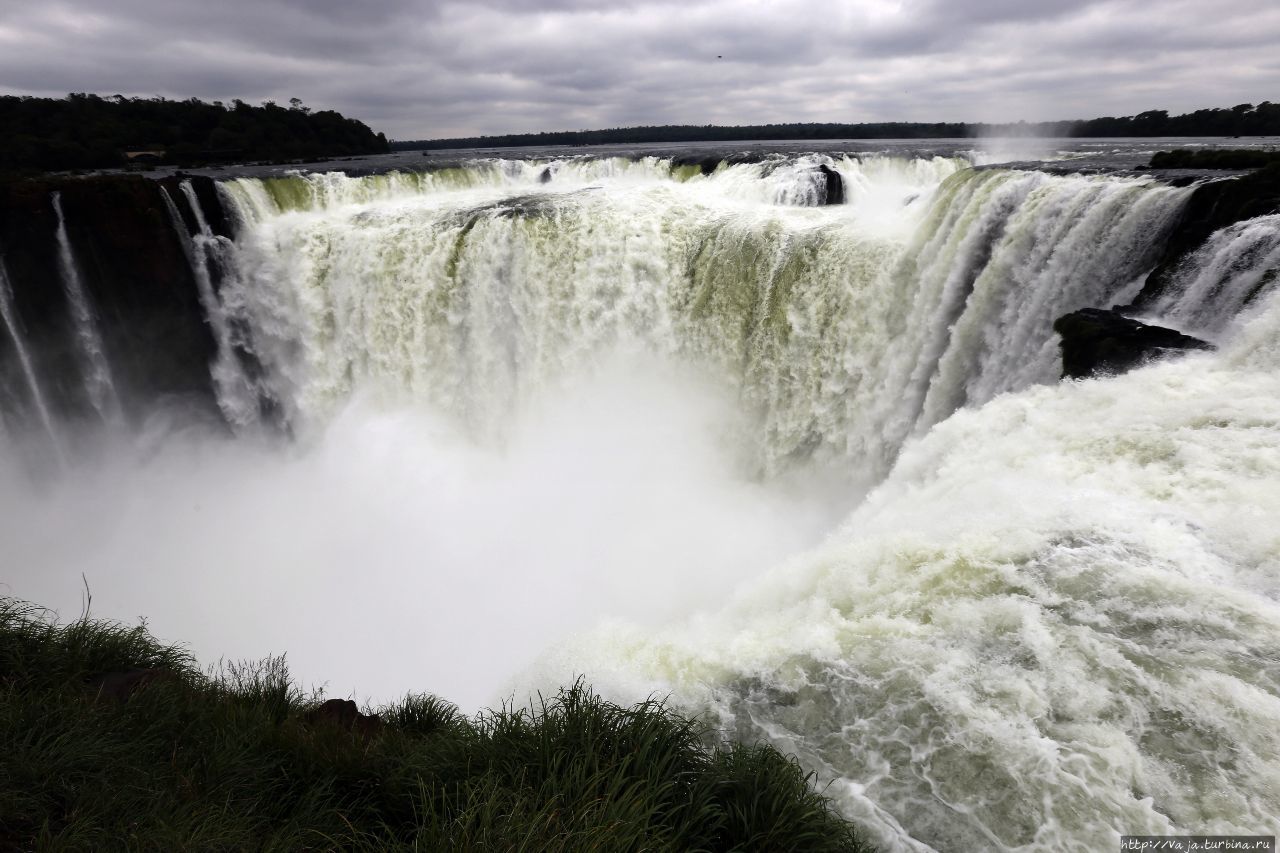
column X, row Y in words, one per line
column 135, row 275
column 833, row 185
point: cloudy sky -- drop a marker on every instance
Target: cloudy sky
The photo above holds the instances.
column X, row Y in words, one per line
column 436, row 68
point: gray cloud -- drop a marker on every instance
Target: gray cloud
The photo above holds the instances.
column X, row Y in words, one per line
column 424, row 68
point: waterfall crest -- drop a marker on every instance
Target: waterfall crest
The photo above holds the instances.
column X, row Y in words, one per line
column 843, row 330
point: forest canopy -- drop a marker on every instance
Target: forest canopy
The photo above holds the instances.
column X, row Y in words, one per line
column 83, row 131
column 1240, row 120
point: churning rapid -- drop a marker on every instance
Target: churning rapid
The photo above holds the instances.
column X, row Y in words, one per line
column 805, row 466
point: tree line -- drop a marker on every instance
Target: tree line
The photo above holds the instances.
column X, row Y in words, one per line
column 83, row 131
column 1240, row 120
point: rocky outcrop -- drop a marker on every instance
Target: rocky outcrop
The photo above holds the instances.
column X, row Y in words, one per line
column 834, row 190
column 344, row 714
column 137, row 280
column 1212, row 206
column 1097, row 341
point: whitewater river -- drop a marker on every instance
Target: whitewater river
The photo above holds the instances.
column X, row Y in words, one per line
column 807, row 469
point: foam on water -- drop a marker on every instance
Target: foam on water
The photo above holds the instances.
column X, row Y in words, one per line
column 1055, row 623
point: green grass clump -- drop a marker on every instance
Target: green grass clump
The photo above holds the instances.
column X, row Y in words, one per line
column 229, row 761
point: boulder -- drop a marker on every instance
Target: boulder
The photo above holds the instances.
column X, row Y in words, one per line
column 1097, row 341
column 835, row 185
column 1213, row 205
column 344, row 714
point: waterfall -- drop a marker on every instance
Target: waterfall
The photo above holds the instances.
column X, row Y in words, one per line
column 9, row 314
column 844, row 330
column 807, row 470
column 237, row 397
column 1056, row 621
column 1014, row 251
column 1234, row 267
column 98, row 384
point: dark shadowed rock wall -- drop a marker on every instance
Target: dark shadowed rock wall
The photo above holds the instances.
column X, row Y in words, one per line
column 137, row 279
column 1212, row 206
column 1100, row 342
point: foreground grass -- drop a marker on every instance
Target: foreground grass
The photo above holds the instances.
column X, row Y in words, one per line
column 232, row 762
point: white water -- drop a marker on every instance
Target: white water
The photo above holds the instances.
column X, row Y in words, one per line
column 98, row 384
column 14, row 328
column 237, row 397
column 610, row 404
column 1233, row 267
column 842, row 329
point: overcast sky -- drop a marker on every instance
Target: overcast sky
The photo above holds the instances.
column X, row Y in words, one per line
column 427, row 68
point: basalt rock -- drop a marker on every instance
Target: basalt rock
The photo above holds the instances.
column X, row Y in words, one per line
column 344, row 714
column 1097, row 341
column 206, row 191
column 834, row 191
column 1212, row 206
column 137, row 279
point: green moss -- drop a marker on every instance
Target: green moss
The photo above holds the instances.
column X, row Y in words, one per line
column 1213, row 205
column 686, row 172
column 290, row 193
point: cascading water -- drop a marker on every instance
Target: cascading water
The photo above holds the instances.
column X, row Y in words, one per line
column 99, row 385
column 237, row 397
column 844, row 329
column 13, row 326
column 1236, row 266
column 1056, row 622
column 1052, row 620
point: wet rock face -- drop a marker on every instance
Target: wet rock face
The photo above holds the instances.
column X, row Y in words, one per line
column 1103, row 342
column 1212, row 206
column 136, row 278
column 835, row 185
